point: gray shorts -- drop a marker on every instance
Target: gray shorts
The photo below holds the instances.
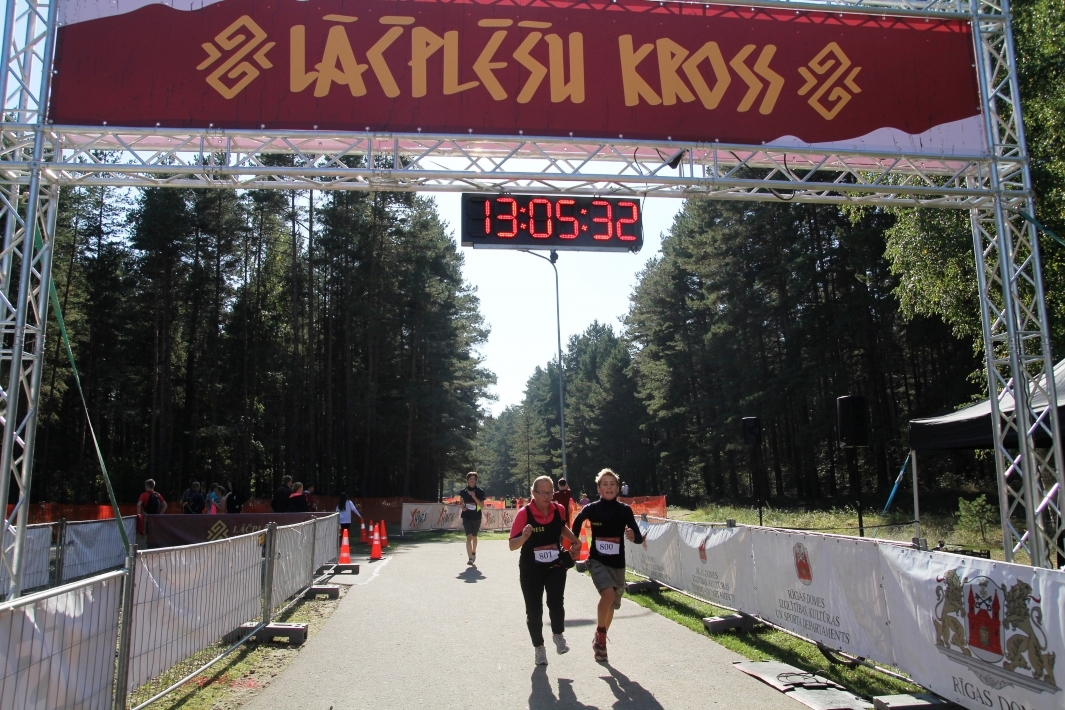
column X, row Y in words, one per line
column 472, row 526
column 604, row 577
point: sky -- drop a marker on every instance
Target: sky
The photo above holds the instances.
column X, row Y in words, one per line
column 517, row 293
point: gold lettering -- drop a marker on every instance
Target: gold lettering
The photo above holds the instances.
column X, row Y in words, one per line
column 537, row 70
column 710, row 98
column 375, row 55
column 451, row 65
column 753, row 84
column 670, row 57
column 776, row 81
column 560, row 90
column 484, row 65
column 423, row 44
column 635, row 86
column 337, row 48
column 298, row 79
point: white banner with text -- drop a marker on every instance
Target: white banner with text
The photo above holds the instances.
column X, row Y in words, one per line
column 439, row 516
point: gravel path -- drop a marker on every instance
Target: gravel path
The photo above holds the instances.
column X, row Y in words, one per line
column 423, row 630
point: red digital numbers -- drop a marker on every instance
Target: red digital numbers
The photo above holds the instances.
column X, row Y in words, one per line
column 513, row 217
column 570, row 219
column 533, row 220
column 628, row 220
column 608, row 220
column 525, row 218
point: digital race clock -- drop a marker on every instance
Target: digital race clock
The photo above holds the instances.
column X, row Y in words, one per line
column 563, row 222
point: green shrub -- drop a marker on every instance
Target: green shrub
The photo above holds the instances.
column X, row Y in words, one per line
column 976, row 515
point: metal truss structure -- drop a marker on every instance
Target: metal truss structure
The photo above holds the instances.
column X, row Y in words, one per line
column 36, row 158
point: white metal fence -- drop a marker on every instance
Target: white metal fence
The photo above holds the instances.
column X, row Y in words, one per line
column 61, row 649
column 61, row 646
column 92, row 546
column 37, row 556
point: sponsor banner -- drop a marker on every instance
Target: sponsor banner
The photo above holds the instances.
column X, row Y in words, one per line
column 657, row 556
column 983, row 634
column 596, row 68
column 438, row 516
column 174, row 530
column 826, row 588
column 95, row 546
column 717, row 564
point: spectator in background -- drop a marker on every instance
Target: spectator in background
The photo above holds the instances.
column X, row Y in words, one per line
column 297, row 501
column 279, row 503
column 308, row 493
column 235, row 498
column 192, row 502
column 214, row 499
column 624, row 489
column 345, row 507
column 564, row 495
column 150, row 502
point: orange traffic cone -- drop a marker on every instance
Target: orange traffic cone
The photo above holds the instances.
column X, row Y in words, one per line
column 375, row 548
column 584, row 544
column 384, row 534
column 345, row 550
column 362, row 532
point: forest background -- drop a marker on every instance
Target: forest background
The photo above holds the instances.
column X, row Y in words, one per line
column 330, row 336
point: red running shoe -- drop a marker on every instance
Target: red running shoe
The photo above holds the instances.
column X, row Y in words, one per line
column 599, row 647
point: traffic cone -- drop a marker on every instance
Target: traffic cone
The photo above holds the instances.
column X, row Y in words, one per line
column 375, row 548
column 345, row 550
column 362, row 532
column 584, row 544
column 384, row 534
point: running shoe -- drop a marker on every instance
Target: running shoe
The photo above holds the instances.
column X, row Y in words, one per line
column 469, row 561
column 560, row 643
column 541, row 656
column 599, row 647
column 473, row 558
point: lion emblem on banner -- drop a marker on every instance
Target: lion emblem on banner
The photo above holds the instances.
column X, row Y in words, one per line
column 996, row 632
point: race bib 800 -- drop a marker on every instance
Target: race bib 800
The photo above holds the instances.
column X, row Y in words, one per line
column 608, row 545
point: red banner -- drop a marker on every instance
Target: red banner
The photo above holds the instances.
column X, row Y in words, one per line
column 631, row 69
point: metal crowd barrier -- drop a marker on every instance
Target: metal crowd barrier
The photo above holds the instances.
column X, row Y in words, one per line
column 165, row 606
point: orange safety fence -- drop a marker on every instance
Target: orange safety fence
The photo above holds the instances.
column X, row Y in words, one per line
column 54, row 512
column 388, row 509
column 489, row 503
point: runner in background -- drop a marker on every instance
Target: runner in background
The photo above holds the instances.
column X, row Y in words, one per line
column 537, row 530
column 472, row 502
column 584, row 499
column 611, row 519
column 564, row 495
column 345, row 507
column 624, row 490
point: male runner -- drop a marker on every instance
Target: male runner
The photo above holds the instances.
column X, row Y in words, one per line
column 612, row 523
column 472, row 502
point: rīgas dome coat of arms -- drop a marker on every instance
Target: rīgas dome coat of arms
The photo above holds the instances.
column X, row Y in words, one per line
column 996, row 632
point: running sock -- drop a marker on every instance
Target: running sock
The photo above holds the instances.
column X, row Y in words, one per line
column 600, row 629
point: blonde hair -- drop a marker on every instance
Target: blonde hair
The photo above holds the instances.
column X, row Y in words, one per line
column 607, row 472
column 550, row 482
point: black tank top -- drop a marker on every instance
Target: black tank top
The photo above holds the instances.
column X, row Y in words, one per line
column 542, row 548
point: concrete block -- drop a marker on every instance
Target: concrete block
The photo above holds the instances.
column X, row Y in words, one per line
column 294, row 634
column 345, row 569
column 718, row 624
column 646, row 585
column 330, row 590
column 920, row 701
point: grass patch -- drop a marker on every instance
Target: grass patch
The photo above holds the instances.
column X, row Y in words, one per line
column 766, row 643
column 231, row 682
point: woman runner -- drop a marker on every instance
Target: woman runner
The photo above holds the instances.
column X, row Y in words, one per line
column 611, row 519
column 537, row 530
column 345, row 507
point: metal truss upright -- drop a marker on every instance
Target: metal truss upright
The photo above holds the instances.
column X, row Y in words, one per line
column 28, row 212
column 1013, row 309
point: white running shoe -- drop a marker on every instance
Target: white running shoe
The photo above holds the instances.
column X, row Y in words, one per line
column 473, row 558
column 541, row 656
column 560, row 643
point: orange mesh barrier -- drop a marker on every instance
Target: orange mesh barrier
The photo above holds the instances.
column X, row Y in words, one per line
column 642, row 505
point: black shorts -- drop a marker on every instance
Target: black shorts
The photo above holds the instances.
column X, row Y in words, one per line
column 345, row 526
column 472, row 526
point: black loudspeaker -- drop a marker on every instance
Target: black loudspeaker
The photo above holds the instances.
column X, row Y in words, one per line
column 852, row 420
column 752, row 431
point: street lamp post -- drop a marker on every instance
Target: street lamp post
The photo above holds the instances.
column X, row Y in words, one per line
column 561, row 390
